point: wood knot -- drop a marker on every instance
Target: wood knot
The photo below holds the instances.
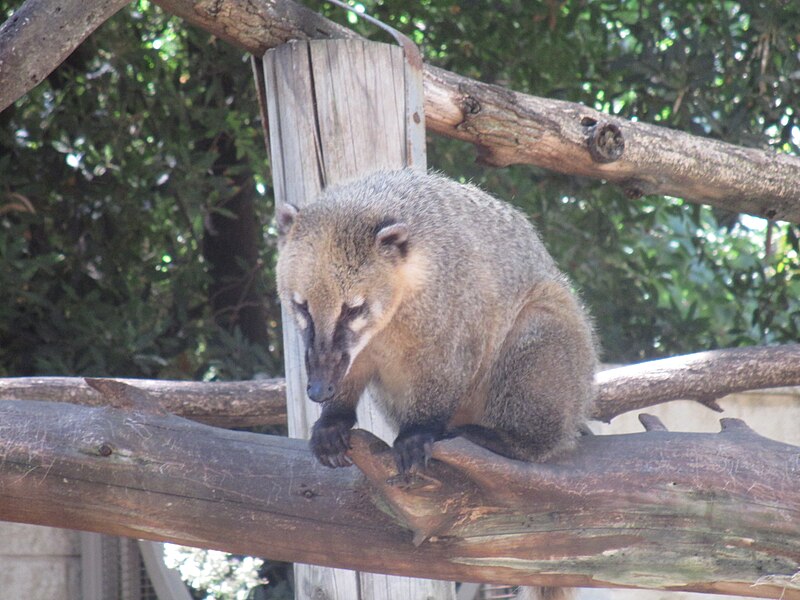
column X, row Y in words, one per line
column 470, row 105
column 105, row 449
column 308, row 493
column 604, row 140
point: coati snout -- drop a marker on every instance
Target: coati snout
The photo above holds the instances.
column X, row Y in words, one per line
column 326, row 363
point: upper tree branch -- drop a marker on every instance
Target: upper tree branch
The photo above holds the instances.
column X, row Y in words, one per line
column 40, row 35
column 696, row 512
column 507, row 127
column 704, row 377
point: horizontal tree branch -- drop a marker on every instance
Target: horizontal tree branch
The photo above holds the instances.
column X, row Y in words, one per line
column 506, row 126
column 696, row 512
column 513, row 128
column 222, row 404
column 704, row 377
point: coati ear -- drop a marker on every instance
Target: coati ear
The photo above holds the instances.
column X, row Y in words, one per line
column 391, row 239
column 285, row 215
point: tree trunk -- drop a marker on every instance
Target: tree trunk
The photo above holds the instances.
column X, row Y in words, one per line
column 230, row 245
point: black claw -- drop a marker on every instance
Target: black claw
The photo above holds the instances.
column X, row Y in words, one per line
column 412, row 448
column 330, row 439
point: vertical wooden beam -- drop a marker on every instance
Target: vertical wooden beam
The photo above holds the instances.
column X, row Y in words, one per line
column 336, row 112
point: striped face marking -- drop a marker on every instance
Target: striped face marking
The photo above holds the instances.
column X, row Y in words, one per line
column 300, row 311
column 354, row 314
column 358, row 324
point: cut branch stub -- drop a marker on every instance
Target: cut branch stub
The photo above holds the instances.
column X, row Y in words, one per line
column 730, row 424
column 420, row 500
column 604, row 140
column 651, row 423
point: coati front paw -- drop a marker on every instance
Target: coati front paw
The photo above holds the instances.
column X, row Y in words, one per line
column 412, row 448
column 330, row 439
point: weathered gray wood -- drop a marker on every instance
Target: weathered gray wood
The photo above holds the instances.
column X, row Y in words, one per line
column 336, row 112
column 697, row 512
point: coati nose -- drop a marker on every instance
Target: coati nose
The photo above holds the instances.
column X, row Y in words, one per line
column 320, row 391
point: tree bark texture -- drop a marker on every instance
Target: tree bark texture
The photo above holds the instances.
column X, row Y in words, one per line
column 40, row 35
column 703, row 376
column 700, row 512
column 507, row 127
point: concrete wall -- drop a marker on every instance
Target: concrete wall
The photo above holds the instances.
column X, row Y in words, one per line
column 39, row 563
column 772, row 413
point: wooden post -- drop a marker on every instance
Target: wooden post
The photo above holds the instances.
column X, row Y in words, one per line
column 337, row 111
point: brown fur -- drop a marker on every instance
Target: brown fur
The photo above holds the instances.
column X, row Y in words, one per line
column 546, row 593
column 469, row 327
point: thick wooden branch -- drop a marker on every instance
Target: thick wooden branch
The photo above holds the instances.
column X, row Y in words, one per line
column 41, row 34
column 512, row 128
column 506, row 126
column 704, row 377
column 704, row 512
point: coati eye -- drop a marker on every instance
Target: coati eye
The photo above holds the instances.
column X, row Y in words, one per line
column 354, row 316
column 352, row 312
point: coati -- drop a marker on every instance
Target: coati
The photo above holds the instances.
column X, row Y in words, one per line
column 443, row 301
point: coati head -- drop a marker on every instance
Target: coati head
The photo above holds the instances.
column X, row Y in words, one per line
column 342, row 273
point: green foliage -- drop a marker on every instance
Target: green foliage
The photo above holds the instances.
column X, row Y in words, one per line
column 114, row 159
